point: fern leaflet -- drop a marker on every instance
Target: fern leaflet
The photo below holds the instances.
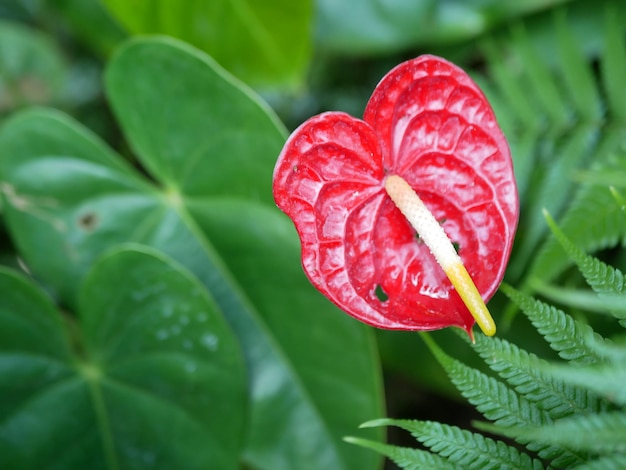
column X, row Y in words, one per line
column 463, row 448
column 527, row 374
column 498, row 403
column 598, row 433
column 607, row 281
column 405, row 458
column 568, row 337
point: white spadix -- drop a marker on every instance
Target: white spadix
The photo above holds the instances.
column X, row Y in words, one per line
column 441, row 247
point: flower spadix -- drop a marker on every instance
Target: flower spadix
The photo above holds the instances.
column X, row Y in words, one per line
column 383, row 204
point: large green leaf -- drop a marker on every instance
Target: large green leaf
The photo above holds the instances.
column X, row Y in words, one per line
column 375, row 26
column 89, row 21
column 264, row 42
column 31, row 67
column 211, row 146
column 155, row 378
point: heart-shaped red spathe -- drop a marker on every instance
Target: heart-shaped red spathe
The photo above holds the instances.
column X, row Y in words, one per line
column 429, row 123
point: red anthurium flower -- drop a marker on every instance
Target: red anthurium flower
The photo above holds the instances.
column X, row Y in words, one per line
column 382, row 203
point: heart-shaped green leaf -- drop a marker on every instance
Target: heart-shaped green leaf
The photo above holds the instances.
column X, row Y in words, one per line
column 211, row 146
column 153, row 379
column 31, row 67
column 264, row 42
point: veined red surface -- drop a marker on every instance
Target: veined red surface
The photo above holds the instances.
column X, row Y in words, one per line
column 429, row 123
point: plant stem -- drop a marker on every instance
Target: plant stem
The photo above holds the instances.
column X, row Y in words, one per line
column 433, row 235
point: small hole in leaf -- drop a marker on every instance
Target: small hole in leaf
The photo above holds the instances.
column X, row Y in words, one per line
column 88, row 221
column 381, row 294
column 457, row 247
column 295, row 168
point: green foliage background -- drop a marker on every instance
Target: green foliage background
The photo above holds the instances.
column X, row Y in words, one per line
column 170, row 145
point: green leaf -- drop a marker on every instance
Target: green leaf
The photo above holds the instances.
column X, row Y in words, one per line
column 214, row 138
column 156, row 380
column 575, row 72
column 545, row 88
column 265, row 43
column 593, row 221
column 544, row 72
column 609, row 462
column 376, row 27
column 404, row 457
column 568, row 337
column 211, row 145
column 510, row 87
column 614, row 63
column 584, row 299
column 606, row 281
column 463, row 448
column 35, row 349
column 605, row 380
column 91, row 22
column 498, row 403
column 552, row 185
column 527, row 374
column 603, row 432
column 31, row 67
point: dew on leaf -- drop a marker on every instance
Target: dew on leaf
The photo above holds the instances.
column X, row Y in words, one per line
column 210, row 341
column 162, row 334
column 167, row 310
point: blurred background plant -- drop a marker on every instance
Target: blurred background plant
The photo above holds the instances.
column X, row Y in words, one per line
column 553, row 69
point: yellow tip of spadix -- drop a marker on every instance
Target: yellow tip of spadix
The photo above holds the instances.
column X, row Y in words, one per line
column 462, row 282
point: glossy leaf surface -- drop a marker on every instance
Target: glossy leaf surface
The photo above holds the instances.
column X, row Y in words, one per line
column 377, row 27
column 210, row 145
column 263, row 42
column 159, row 381
column 430, row 124
column 31, row 67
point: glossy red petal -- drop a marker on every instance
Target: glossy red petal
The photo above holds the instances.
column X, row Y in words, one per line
column 440, row 134
column 429, row 123
column 329, row 167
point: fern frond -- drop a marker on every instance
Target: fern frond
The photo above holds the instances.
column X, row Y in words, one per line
column 528, row 375
column 598, row 433
column 510, row 87
column 605, row 280
column 405, row 458
column 465, row 449
column 575, row 73
column 606, row 380
column 552, row 185
column 611, row 175
column 546, row 89
column 565, row 120
column 607, row 462
column 568, row 337
column 594, row 221
column 613, row 65
column 581, row 299
column 613, row 351
column 498, row 403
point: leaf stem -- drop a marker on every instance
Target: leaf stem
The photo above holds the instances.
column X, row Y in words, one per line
column 433, row 235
